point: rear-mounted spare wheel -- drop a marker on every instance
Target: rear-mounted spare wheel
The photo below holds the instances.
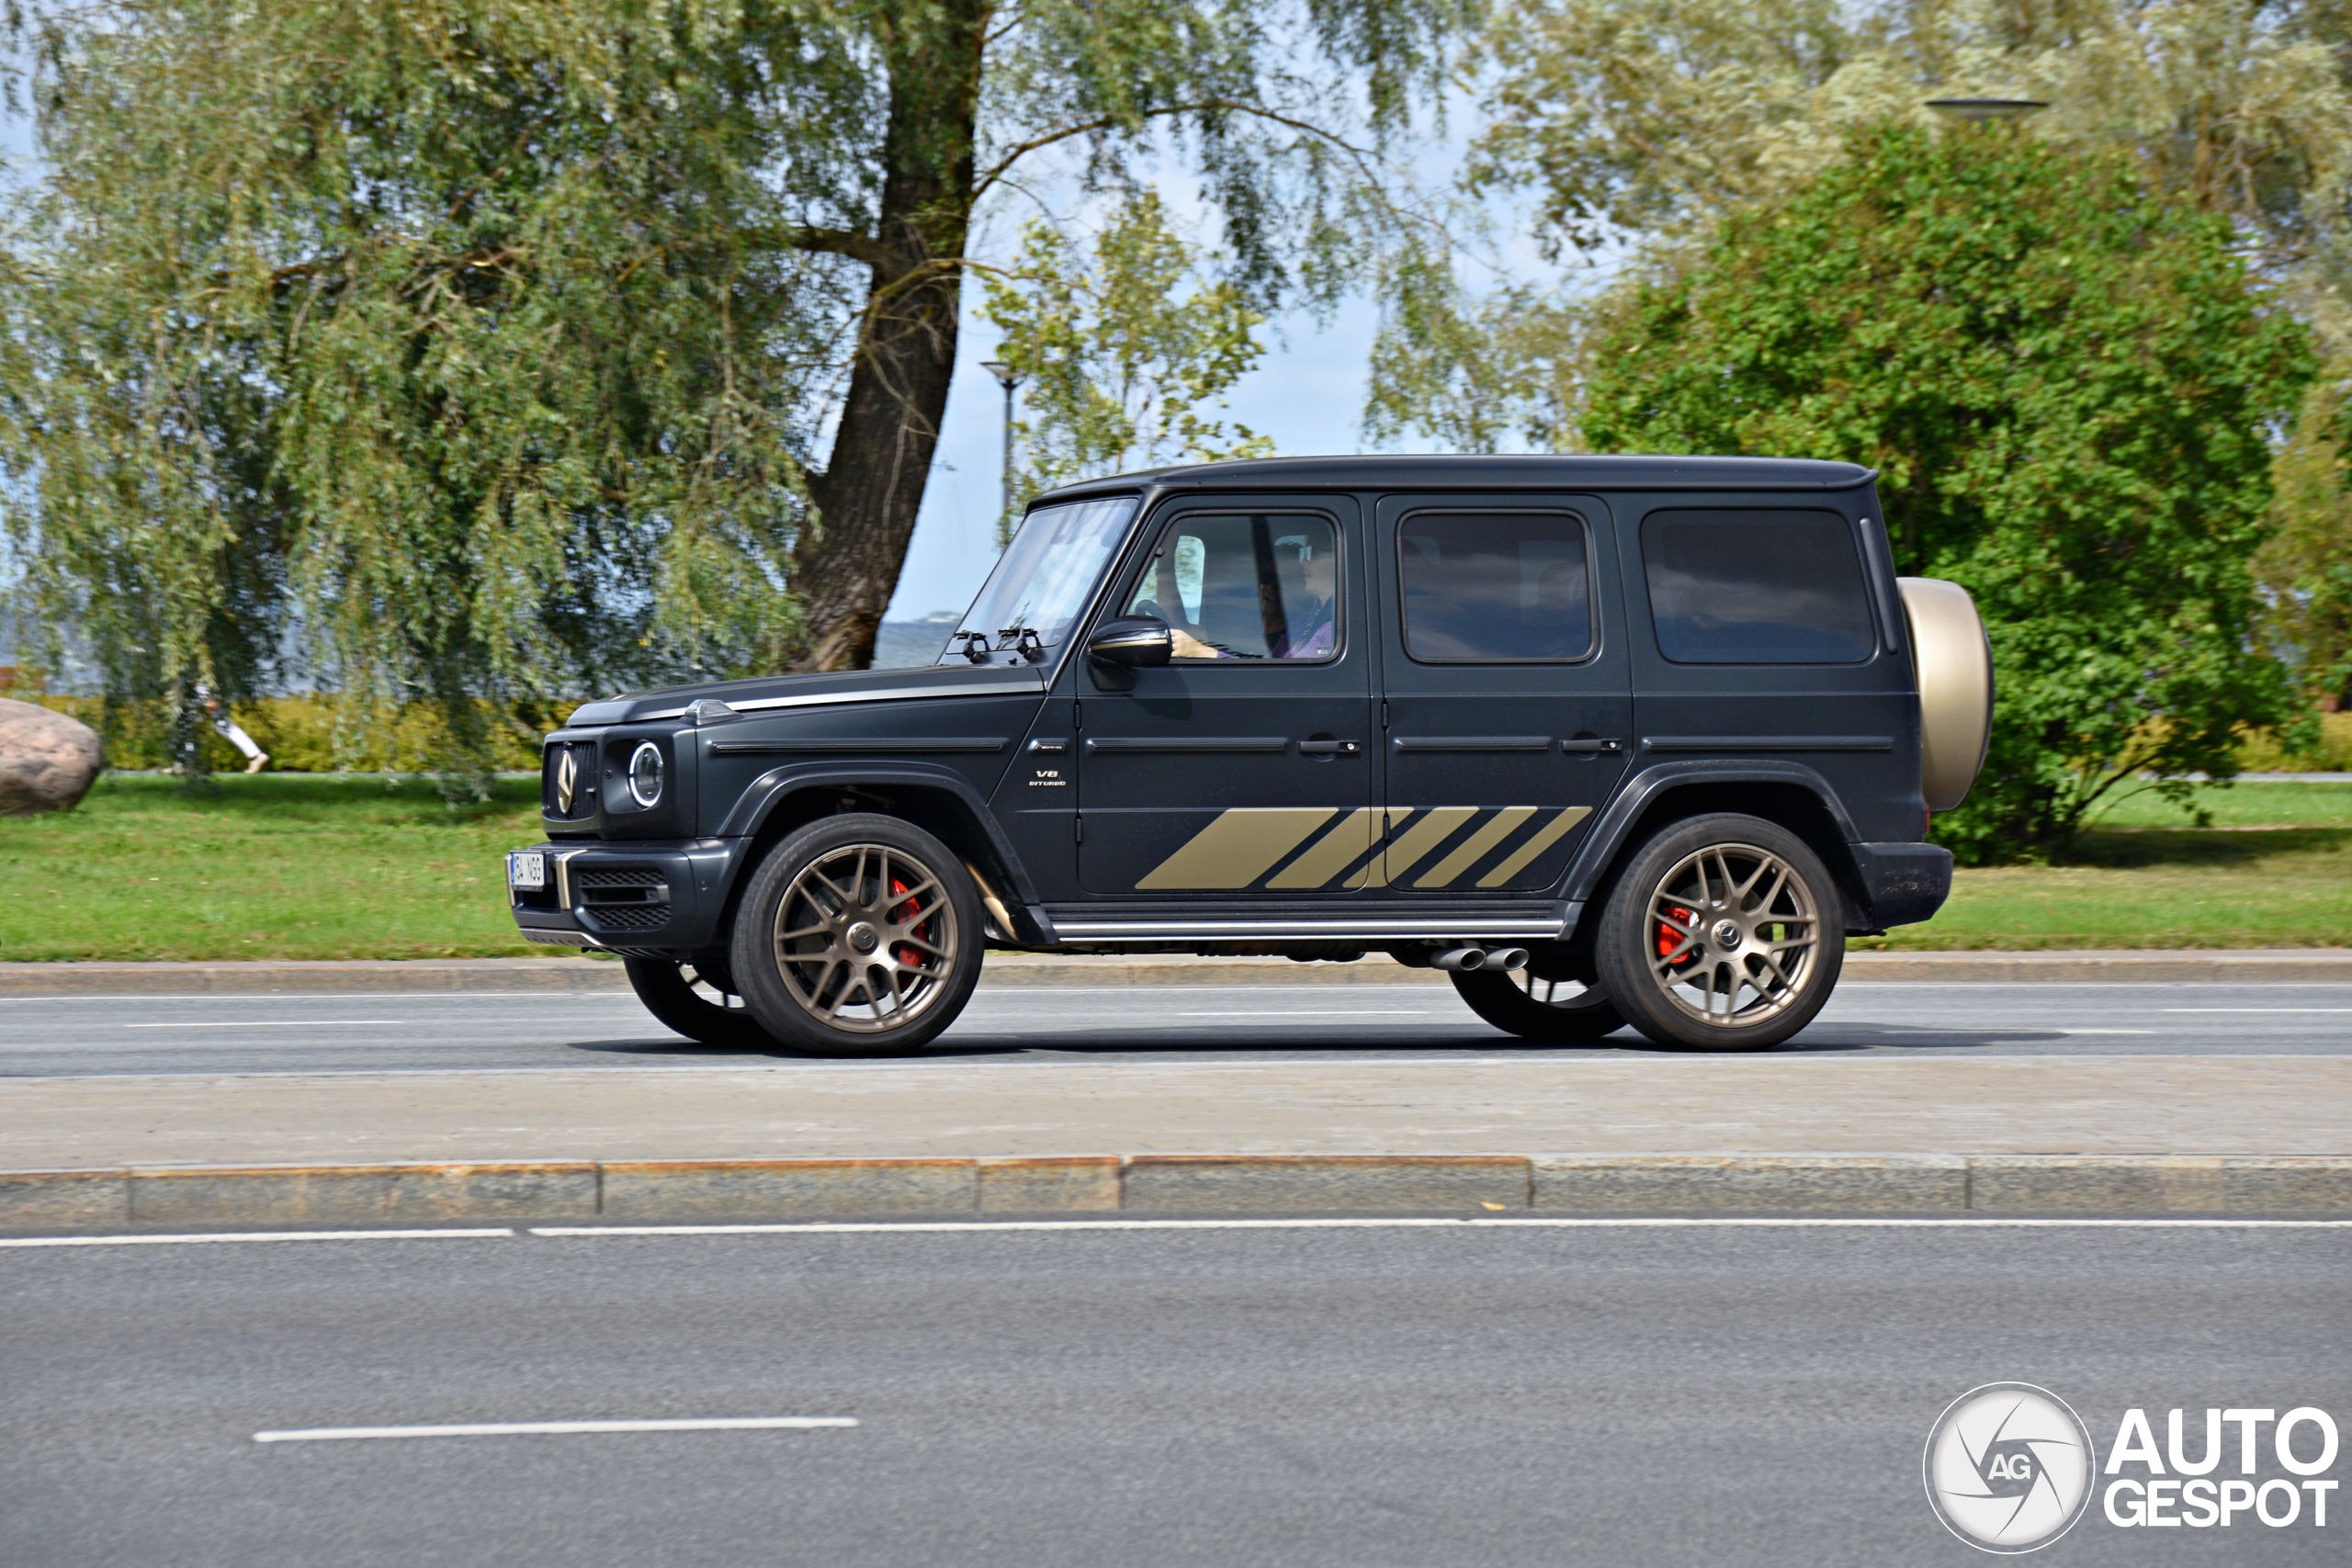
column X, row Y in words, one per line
column 1954, row 663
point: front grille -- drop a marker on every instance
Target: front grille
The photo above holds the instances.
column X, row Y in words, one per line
column 584, row 797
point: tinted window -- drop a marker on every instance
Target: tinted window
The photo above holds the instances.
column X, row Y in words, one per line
column 1245, row 586
column 1756, row 588
column 1495, row 586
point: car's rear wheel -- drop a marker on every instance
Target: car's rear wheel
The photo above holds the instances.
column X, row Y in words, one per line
column 1724, row 933
column 1558, row 1012
column 859, row 936
column 697, row 1000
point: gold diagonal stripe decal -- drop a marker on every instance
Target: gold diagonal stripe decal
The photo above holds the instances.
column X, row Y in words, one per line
column 1235, row 849
column 1376, row 873
column 1542, row 839
column 1436, row 826
column 1330, row 855
column 1474, row 848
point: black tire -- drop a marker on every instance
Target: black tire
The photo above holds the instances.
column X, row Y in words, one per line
column 867, row 968
column 1519, row 1003
column 667, row 989
column 1724, row 908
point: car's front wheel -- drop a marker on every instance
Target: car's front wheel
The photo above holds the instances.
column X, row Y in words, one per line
column 1724, row 933
column 859, row 936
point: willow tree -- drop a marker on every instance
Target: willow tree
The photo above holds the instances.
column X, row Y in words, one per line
column 478, row 347
column 434, row 347
column 1123, row 366
column 1279, row 106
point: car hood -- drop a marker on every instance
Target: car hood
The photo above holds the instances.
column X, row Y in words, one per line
column 764, row 692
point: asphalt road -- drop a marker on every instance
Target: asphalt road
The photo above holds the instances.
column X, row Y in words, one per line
column 1471, row 1397
column 379, row 1032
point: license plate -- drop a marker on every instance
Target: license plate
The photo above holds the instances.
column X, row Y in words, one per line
column 527, row 868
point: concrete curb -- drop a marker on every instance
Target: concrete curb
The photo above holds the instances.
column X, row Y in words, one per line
column 2257, row 966
column 688, row 1192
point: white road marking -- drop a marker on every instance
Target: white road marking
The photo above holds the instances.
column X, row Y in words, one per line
column 820, row 1227
column 247, row 1236
column 559, row 1428
column 1316, row 1012
column 243, row 999
column 2082, row 1031
column 2258, row 1009
column 268, row 1024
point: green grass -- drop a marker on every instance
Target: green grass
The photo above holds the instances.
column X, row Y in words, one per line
column 326, row 866
column 2237, row 886
column 2258, row 805
column 278, row 866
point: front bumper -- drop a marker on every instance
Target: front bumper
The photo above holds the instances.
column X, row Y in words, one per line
column 662, row 896
column 1905, row 882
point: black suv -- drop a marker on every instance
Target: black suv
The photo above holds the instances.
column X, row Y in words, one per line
column 1612, row 740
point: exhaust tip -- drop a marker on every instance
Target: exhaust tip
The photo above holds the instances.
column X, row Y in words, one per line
column 1461, row 960
column 1506, row 958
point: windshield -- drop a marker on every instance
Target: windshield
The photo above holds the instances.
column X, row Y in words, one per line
column 1042, row 582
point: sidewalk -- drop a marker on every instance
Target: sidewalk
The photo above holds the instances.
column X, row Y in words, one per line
column 2172, row 1134
column 2254, row 965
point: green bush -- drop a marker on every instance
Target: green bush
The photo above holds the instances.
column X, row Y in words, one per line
column 2068, row 385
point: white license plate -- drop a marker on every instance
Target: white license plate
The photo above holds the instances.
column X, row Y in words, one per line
column 527, row 869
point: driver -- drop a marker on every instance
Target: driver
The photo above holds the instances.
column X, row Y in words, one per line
column 1311, row 627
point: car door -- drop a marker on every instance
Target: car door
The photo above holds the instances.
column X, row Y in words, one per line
column 1244, row 766
column 1508, row 702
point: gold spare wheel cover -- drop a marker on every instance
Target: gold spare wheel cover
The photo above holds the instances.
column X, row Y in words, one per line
column 1954, row 663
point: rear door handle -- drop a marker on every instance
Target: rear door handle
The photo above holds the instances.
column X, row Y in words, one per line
column 1329, row 747
column 1610, row 745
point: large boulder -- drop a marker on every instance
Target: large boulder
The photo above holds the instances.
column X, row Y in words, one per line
column 48, row 759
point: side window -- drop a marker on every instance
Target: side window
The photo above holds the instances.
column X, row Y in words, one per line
column 1262, row 585
column 1494, row 587
column 1757, row 587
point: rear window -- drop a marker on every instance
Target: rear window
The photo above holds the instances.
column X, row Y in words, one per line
column 1757, row 587
column 1494, row 587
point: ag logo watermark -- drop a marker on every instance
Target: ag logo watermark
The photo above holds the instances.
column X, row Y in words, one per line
column 2010, row 1467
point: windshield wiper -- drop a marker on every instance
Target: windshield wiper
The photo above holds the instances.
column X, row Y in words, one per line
column 1023, row 641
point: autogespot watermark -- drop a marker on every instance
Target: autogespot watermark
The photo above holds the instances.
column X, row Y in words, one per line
column 2011, row 1468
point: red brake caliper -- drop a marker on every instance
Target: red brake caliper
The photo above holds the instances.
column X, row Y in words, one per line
column 907, row 956
column 1670, row 937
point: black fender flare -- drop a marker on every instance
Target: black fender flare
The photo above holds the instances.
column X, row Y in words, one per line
column 1599, row 853
column 761, row 797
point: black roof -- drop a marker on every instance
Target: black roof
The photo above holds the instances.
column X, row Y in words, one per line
column 1450, row 471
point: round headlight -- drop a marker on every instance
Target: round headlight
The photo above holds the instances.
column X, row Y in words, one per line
column 645, row 774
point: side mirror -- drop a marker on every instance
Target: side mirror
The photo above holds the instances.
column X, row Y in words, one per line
column 1131, row 642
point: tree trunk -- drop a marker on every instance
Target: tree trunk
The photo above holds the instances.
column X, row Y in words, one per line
column 847, row 568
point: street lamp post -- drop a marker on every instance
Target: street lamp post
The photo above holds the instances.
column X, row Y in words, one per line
column 1010, row 380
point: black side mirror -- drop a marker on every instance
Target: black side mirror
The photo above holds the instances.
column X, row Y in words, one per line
column 1132, row 642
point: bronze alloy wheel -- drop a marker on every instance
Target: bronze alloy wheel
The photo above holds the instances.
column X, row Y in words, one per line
column 865, row 939
column 860, row 936
column 1724, row 933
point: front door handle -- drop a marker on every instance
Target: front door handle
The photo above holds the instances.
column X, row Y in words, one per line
column 1611, row 746
column 1329, row 747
